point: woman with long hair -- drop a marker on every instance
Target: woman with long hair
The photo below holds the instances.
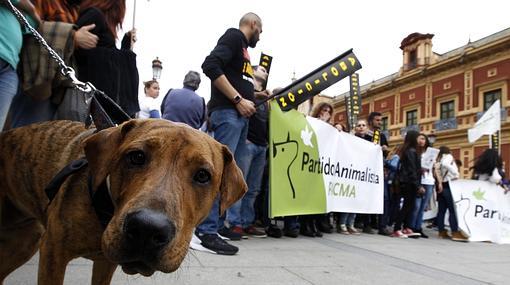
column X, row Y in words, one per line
column 410, row 184
column 109, row 69
column 488, row 167
column 449, row 171
column 428, row 182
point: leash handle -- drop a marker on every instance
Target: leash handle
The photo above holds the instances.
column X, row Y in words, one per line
column 66, row 70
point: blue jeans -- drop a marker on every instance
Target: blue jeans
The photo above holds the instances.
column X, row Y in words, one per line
column 8, row 89
column 230, row 129
column 347, row 219
column 419, row 207
column 252, row 159
column 445, row 202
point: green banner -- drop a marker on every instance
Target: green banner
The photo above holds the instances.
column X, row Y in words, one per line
column 302, row 193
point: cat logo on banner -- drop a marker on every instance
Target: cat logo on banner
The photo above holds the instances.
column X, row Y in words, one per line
column 265, row 61
column 316, row 81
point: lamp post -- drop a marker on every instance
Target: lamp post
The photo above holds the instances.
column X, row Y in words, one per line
column 157, row 67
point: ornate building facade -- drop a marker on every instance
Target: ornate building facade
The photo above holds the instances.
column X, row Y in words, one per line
column 443, row 94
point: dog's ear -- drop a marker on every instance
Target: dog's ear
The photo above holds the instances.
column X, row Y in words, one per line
column 233, row 185
column 99, row 151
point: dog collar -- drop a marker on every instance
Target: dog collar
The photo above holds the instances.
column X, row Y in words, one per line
column 101, row 198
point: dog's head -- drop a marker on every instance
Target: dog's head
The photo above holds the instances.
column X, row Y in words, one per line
column 163, row 179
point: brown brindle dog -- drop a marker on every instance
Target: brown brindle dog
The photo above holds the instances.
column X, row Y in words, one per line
column 163, row 180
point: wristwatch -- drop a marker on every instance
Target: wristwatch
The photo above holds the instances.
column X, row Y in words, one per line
column 237, row 99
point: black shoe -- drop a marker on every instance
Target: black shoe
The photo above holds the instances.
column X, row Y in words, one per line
column 291, row 233
column 274, row 231
column 368, row 230
column 324, row 227
column 230, row 234
column 214, row 243
column 421, row 233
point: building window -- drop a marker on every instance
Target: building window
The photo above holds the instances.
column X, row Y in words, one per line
column 490, row 97
column 412, row 59
column 447, row 110
column 412, row 118
column 384, row 124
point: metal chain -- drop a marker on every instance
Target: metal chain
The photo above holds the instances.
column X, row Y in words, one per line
column 64, row 68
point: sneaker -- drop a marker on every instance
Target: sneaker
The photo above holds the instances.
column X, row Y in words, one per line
column 293, row 233
column 385, row 232
column 215, row 244
column 458, row 236
column 409, row 233
column 253, row 232
column 342, row 229
column 233, row 233
column 274, row 231
column 443, row 235
column 352, row 230
column 398, row 234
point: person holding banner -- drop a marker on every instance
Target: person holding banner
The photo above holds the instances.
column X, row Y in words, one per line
column 410, row 184
column 232, row 95
column 449, row 172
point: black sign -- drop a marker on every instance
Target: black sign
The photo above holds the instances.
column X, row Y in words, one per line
column 355, row 97
column 317, row 80
column 265, row 61
column 494, row 141
column 348, row 113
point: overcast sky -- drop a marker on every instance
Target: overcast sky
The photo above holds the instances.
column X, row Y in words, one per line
column 302, row 35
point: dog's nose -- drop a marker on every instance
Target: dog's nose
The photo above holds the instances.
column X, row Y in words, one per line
column 148, row 231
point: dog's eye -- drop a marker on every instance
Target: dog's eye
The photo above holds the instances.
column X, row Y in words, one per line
column 136, row 157
column 202, row 176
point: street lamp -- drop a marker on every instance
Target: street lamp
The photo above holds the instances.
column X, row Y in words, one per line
column 157, row 67
column 432, row 138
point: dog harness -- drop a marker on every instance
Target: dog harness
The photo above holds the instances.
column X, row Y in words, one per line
column 101, row 198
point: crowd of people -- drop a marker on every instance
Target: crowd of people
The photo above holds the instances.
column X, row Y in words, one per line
column 236, row 116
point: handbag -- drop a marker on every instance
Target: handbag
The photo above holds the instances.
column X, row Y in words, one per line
column 75, row 105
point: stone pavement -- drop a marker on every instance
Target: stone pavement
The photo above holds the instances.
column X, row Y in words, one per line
column 333, row 259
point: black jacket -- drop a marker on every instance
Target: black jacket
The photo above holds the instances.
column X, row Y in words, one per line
column 230, row 58
column 109, row 69
column 410, row 169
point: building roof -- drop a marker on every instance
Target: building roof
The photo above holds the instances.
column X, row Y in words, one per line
column 441, row 57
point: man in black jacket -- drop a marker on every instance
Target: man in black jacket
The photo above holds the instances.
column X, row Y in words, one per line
column 232, row 95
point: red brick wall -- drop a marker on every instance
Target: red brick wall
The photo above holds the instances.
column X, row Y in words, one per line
column 480, row 76
column 419, row 97
column 386, row 105
column 457, row 86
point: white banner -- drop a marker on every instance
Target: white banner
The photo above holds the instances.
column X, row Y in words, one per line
column 483, row 210
column 359, row 186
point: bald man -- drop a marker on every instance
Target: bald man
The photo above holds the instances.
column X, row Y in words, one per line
column 232, row 103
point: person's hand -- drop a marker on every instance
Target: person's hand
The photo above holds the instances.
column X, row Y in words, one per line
column 246, row 108
column 84, row 39
column 384, row 147
column 133, row 37
column 439, row 188
column 29, row 8
column 262, row 94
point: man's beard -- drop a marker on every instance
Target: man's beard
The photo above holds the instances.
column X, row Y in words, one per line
column 253, row 41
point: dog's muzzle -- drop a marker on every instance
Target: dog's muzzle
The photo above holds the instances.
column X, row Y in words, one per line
column 145, row 234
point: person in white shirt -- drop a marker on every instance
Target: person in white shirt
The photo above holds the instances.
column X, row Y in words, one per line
column 449, row 171
column 149, row 106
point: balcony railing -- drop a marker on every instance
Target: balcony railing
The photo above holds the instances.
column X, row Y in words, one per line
column 503, row 115
column 446, row 124
column 403, row 131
